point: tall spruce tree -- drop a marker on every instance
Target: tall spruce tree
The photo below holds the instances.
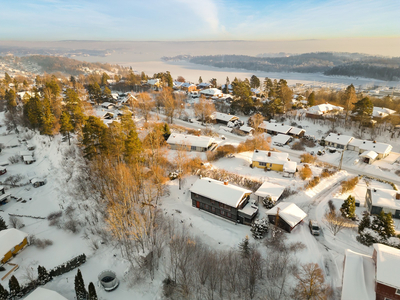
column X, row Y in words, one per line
column 80, row 290
column 348, row 208
column 365, row 222
column 311, row 99
column 92, row 292
column 14, row 287
column 3, row 224
column 363, row 109
column 245, row 247
column 43, row 275
column 65, row 126
column 3, row 293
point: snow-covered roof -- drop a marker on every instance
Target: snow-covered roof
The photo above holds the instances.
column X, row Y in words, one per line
column 382, row 112
column 187, row 84
column 290, row 166
column 358, row 277
column 270, row 189
column 203, row 85
column 28, row 158
column 323, row 108
column 247, row 129
column 275, row 127
column 107, row 104
column 25, row 153
column 281, row 139
column 44, row 294
column 289, row 212
column 385, row 198
column 189, row 140
column 340, row 139
column 387, row 265
column 272, row 157
column 223, row 117
column 9, row 238
column 178, row 83
column 296, row 131
column 375, row 146
column 227, row 194
column 153, row 81
column 211, row 92
column 369, row 154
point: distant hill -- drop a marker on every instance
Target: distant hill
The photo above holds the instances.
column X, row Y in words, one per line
column 329, row 63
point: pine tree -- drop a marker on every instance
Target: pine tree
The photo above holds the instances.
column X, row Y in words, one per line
column 133, row 146
column 259, row 228
column 200, row 80
column 47, row 120
column 268, row 202
column 311, row 99
column 93, row 137
column 3, row 293
column 364, row 223
column 14, row 287
column 80, row 290
column 104, row 78
column 43, row 275
column 92, row 292
column 245, row 247
column 383, row 225
column 348, row 208
column 7, row 79
column 66, row 126
column 363, row 108
column 3, row 224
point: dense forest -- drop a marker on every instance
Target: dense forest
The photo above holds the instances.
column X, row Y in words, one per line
column 329, row 63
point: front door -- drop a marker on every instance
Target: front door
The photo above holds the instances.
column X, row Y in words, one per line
column 197, row 204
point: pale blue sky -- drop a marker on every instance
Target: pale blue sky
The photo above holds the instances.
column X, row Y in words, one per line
column 49, row 20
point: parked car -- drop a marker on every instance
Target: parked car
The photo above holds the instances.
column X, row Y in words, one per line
column 314, row 227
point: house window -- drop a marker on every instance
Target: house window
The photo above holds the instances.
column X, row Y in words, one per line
column 228, row 215
column 212, row 202
column 387, row 298
column 227, row 207
column 221, row 205
column 262, row 164
column 398, row 292
column 222, row 213
column 213, row 209
column 193, row 148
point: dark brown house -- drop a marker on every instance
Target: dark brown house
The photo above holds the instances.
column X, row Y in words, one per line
column 387, row 270
column 225, row 200
column 289, row 214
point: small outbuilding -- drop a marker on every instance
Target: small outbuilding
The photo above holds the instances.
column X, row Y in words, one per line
column 11, row 242
column 281, row 139
column 289, row 215
column 369, row 156
column 28, row 159
column 271, row 190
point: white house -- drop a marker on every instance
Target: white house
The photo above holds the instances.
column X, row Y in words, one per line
column 223, row 118
column 320, row 110
column 190, row 142
column 339, row 141
column 212, row 92
column 385, row 200
column 281, row 139
column 275, row 128
column 382, row 112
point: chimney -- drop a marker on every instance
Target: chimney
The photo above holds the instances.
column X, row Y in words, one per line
column 374, row 142
column 397, row 196
column 269, row 154
column 225, row 182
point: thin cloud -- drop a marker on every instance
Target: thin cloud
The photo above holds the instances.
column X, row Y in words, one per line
column 207, row 10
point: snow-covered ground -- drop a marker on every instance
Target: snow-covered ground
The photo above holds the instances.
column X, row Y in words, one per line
column 326, row 250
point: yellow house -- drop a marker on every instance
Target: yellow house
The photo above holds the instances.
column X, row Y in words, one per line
column 274, row 161
column 11, row 242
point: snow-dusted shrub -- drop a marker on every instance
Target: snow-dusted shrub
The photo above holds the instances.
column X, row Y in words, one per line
column 298, row 146
column 256, row 143
column 307, row 143
column 68, row 266
column 71, row 225
column 313, row 182
column 13, row 179
column 16, row 223
column 305, row 172
column 287, row 192
column 308, row 158
column 220, row 152
column 349, row 185
column 14, row 159
column 327, row 172
column 40, row 243
column 54, row 215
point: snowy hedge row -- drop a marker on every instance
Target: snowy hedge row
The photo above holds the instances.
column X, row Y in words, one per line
column 382, row 180
column 68, row 266
column 233, row 178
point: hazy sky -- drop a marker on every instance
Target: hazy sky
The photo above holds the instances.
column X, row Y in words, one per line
column 197, row 19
